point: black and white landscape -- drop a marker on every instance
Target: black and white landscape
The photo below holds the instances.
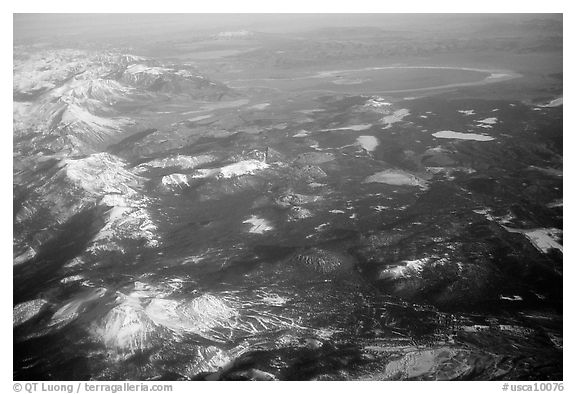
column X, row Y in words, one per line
column 287, row 197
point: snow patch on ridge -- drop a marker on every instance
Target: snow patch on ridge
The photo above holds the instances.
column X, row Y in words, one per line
column 101, row 173
column 104, row 176
column 181, row 161
column 244, row 167
column 174, row 182
column 128, row 219
column 407, row 268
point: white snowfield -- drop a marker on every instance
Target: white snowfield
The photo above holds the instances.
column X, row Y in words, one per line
column 299, row 213
column 151, row 319
column 105, row 180
column 259, row 225
column 259, row 106
column 554, row 103
column 79, row 129
column 27, row 310
column 462, row 136
column 70, row 95
column 395, row 117
column 74, row 98
column 70, row 310
column 180, row 161
column 77, row 115
column 487, row 123
column 33, row 75
column 48, row 69
column 378, row 103
column 367, row 142
column 240, row 168
column 141, row 68
column 101, row 173
column 174, row 182
column 104, row 176
column 512, row 298
column 139, row 72
column 556, row 204
column 200, row 315
column 301, row 134
column 92, row 91
column 488, row 120
column 543, row 239
column 100, row 180
column 358, row 127
column 25, row 256
column 126, row 329
column 67, row 103
column 396, row 178
column 405, row 269
column 128, row 218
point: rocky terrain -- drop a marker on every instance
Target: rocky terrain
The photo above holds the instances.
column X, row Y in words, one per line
column 171, row 226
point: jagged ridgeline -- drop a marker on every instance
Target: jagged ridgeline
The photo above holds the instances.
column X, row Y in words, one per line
column 74, row 102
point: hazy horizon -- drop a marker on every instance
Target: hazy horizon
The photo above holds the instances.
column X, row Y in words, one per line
column 44, row 27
